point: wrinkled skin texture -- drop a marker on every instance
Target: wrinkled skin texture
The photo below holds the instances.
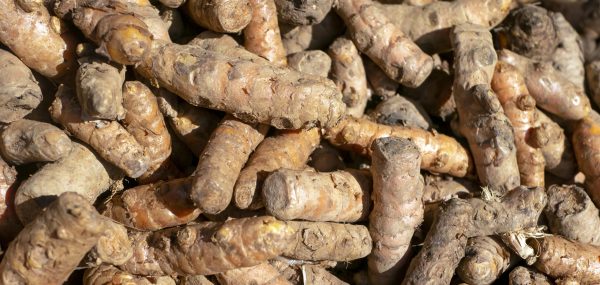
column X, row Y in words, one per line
column 262, row 35
column 40, row 40
column 486, row 258
column 556, row 147
column 19, row 90
column 81, row 171
column 155, row 206
column 25, row 141
column 113, row 247
column 303, row 12
column 572, row 214
column 9, row 222
column 262, row 274
column 460, row 219
column 292, row 273
column 318, row 275
column 223, row 43
column 397, row 192
column 525, row 276
column 481, row 118
column 373, row 34
column 49, row 248
column 208, row 248
column 146, row 124
column 551, row 90
column 530, row 32
column 401, row 111
column 238, row 82
column 99, row 87
column 429, row 26
column 348, row 72
column 567, row 281
column 568, row 56
column 223, row 16
column 195, row 280
column 287, row 149
column 106, row 274
column 109, row 138
column 325, row 241
column 558, row 257
column 315, row 62
column 586, row 144
column 439, row 153
column 519, row 107
column 584, row 17
column 221, row 162
column 341, row 196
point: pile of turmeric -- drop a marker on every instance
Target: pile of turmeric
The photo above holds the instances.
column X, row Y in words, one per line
column 280, row 142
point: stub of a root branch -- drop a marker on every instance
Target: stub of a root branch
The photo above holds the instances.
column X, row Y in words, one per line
column 517, row 241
